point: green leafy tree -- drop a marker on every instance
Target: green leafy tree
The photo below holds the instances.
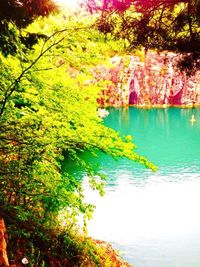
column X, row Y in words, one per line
column 17, row 14
column 48, row 112
column 161, row 25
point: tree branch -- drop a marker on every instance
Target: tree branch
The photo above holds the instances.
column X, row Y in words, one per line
column 43, row 51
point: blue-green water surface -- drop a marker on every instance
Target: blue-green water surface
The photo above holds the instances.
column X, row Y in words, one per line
column 153, row 218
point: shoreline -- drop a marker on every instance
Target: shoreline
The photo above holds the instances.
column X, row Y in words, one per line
column 110, row 254
column 158, row 106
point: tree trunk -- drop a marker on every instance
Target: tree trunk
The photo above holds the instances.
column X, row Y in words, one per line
column 3, row 253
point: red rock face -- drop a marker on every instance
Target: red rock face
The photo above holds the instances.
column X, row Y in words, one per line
column 151, row 80
column 3, row 252
column 157, row 81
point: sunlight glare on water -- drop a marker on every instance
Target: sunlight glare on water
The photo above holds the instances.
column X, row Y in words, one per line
column 153, row 218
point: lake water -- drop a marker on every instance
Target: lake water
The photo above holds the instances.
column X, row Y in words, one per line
column 153, row 218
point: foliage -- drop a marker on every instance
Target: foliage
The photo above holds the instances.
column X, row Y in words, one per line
column 61, row 249
column 48, row 109
column 162, row 25
column 20, row 13
column 52, row 249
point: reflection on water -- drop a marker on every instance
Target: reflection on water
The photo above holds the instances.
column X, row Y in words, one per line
column 152, row 223
column 153, row 218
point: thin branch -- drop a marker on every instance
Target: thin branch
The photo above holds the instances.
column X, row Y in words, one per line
column 38, row 70
column 13, row 85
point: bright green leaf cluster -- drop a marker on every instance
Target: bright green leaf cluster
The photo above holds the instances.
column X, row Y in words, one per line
column 48, row 111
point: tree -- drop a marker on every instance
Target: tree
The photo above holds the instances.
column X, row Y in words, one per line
column 23, row 12
column 161, row 25
column 45, row 95
column 17, row 14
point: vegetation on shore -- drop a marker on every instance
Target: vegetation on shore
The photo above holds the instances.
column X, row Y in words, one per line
column 48, row 112
column 159, row 25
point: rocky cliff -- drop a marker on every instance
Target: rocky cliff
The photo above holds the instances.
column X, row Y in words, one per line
column 150, row 80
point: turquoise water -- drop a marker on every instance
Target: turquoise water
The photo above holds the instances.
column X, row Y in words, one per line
column 153, row 218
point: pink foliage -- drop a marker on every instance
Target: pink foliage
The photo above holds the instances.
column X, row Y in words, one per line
column 122, row 5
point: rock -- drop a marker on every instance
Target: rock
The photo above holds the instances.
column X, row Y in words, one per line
column 149, row 81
